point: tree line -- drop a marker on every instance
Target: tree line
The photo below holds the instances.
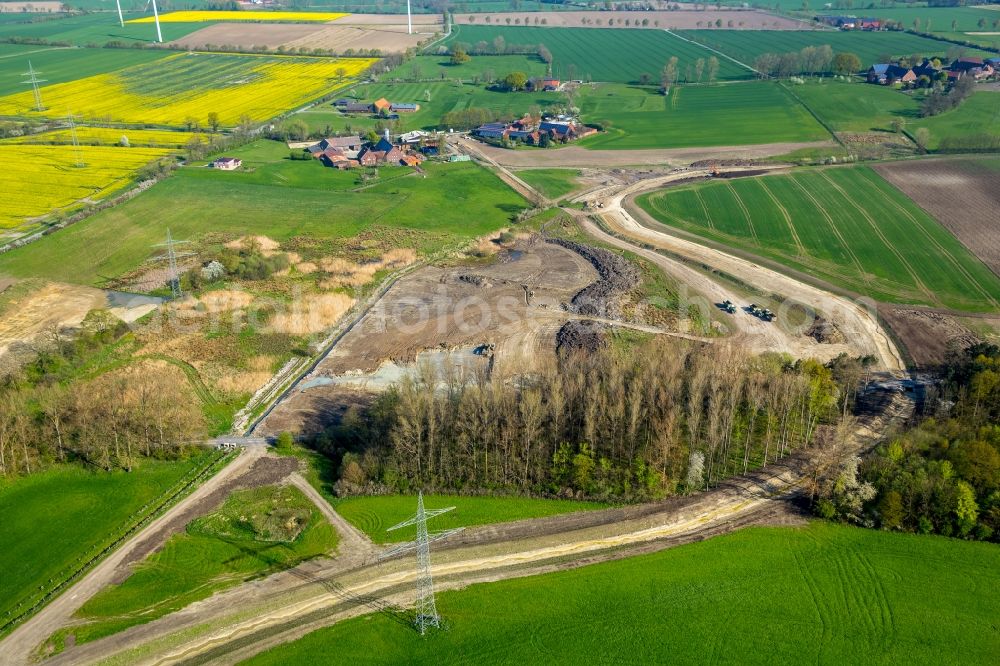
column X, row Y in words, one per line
column 942, row 474
column 668, row 417
column 53, row 411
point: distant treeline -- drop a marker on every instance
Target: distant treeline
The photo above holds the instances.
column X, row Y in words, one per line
column 664, row 418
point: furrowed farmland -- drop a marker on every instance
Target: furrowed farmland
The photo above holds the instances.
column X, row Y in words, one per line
column 618, row 56
column 870, row 47
column 834, row 594
column 35, row 180
column 94, row 28
column 845, row 225
column 191, row 85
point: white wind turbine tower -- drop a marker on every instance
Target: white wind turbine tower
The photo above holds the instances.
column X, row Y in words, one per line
column 409, row 19
column 121, row 21
column 156, row 19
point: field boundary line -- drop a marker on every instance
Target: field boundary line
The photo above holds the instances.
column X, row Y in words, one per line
column 41, row 50
column 788, row 218
column 878, row 232
column 716, row 51
column 814, row 115
column 704, row 208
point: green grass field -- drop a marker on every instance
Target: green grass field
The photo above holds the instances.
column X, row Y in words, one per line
column 637, row 117
column 372, row 515
column 54, row 521
column 435, row 99
column 977, row 116
column 279, row 198
column 857, row 107
column 553, row 183
column 97, row 29
column 58, row 65
column 246, row 538
column 746, row 45
column 844, row 225
column 821, row 594
column 614, row 55
column 440, row 67
column 939, row 20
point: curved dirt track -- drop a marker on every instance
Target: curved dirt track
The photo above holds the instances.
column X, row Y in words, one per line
column 18, row 646
column 577, row 156
column 245, row 620
column 857, row 321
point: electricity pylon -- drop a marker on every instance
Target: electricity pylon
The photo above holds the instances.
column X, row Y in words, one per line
column 173, row 278
column 427, row 614
column 33, row 81
column 71, row 119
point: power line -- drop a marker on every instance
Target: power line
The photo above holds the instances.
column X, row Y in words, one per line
column 426, row 609
column 71, row 119
column 33, row 81
column 173, row 277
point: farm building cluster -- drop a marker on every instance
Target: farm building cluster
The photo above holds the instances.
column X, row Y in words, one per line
column 534, row 132
column 929, row 71
column 380, row 107
column 852, row 23
column 349, row 152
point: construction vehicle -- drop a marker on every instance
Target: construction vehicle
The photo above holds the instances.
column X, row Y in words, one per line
column 728, row 306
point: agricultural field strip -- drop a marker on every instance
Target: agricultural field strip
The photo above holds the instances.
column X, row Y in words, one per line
column 238, row 16
column 34, row 180
column 788, row 218
column 937, row 245
column 106, row 136
column 881, row 236
column 714, row 50
column 160, row 94
column 746, row 45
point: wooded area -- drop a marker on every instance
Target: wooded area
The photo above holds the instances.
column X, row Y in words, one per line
column 663, row 418
column 63, row 407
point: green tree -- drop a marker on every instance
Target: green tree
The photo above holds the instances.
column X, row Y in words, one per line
column 284, row 441
column 213, row 120
column 890, row 510
column 966, row 510
column 515, row 81
column 459, row 56
column 846, row 64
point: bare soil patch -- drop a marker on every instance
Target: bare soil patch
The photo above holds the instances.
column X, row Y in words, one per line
column 51, row 308
column 679, row 20
column 388, row 33
column 928, row 336
column 961, row 193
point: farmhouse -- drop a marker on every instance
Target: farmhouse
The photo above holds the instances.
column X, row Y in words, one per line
column 381, row 104
column 850, row 22
column 976, row 67
column 404, row 107
column 546, row 85
column 228, row 163
column 351, row 143
column 888, row 73
column 528, row 131
column 354, row 107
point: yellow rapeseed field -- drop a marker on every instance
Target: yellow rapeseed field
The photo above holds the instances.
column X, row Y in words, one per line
column 190, row 86
column 201, row 16
column 35, row 180
column 107, row 136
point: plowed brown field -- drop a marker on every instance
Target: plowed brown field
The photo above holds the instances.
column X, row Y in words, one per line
column 963, row 193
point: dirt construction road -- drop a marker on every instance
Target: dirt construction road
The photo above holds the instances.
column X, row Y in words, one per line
column 242, row 621
column 18, row 646
column 857, row 321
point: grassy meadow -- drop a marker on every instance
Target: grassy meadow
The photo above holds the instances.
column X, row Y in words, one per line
column 844, row 225
column 372, row 515
column 978, row 116
column 440, row 67
column 552, row 183
column 746, row 45
column 279, row 198
column 249, row 536
column 640, row 117
column 612, row 54
column 54, row 521
column 819, row 594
